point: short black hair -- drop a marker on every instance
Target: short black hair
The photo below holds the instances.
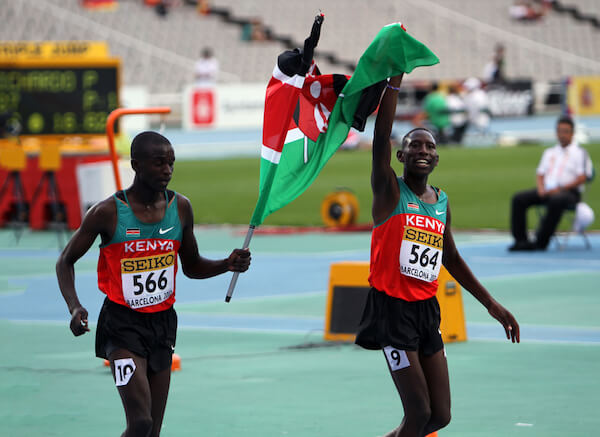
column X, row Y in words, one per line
column 566, row 119
column 143, row 140
column 405, row 138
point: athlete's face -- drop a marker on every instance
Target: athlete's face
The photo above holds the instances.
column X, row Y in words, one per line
column 155, row 167
column 419, row 153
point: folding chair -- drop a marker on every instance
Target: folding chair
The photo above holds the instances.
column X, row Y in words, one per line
column 575, row 213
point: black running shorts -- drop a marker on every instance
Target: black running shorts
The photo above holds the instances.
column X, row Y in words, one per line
column 148, row 335
column 404, row 325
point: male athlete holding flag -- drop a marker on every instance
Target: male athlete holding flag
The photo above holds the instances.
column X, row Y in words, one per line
column 411, row 240
column 143, row 230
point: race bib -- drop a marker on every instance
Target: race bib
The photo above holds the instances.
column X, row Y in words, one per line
column 421, row 254
column 148, row 280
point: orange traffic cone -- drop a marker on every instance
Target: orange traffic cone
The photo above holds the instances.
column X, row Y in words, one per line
column 176, row 364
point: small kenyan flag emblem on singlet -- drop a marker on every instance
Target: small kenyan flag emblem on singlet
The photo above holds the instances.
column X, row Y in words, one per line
column 411, row 205
column 132, row 232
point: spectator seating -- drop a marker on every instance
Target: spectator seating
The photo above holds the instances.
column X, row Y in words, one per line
column 160, row 51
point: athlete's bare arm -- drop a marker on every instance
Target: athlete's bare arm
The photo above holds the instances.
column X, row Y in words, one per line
column 383, row 178
column 99, row 220
column 460, row 271
column 196, row 266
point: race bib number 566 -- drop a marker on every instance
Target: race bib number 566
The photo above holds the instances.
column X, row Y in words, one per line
column 148, row 280
column 421, row 254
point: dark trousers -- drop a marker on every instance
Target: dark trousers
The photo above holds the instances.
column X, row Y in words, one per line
column 458, row 132
column 555, row 206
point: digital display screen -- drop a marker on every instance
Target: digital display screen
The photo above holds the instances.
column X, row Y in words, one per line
column 60, row 100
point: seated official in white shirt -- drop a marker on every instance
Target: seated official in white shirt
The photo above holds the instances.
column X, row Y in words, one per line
column 561, row 176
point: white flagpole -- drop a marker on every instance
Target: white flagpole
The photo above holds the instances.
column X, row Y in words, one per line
column 236, row 274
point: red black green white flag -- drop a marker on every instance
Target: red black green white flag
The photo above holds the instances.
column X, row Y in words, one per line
column 308, row 115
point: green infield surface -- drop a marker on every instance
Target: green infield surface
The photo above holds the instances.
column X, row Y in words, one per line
column 479, row 183
column 258, row 366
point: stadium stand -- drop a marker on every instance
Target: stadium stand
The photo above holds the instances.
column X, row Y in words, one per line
column 577, row 13
column 159, row 52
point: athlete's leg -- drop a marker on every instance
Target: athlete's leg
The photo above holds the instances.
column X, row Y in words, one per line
column 159, row 389
column 435, row 369
column 412, row 387
column 130, row 373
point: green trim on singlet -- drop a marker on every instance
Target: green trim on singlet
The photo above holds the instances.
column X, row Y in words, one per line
column 428, row 209
column 126, row 219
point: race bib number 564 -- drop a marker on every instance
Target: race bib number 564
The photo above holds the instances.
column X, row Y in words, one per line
column 148, row 280
column 421, row 254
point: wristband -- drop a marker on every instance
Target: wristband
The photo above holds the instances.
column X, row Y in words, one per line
column 395, row 88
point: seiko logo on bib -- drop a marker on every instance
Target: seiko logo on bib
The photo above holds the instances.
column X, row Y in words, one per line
column 154, row 262
column 428, row 238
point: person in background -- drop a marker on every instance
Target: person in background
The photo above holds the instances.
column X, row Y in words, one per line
column 206, row 69
column 203, row 7
column 255, row 30
column 477, row 105
column 529, row 10
column 436, row 113
column 493, row 72
column 458, row 113
column 561, row 175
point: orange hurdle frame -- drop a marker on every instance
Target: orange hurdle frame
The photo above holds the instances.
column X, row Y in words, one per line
column 110, row 133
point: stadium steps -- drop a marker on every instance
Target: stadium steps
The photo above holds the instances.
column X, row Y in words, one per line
column 160, row 52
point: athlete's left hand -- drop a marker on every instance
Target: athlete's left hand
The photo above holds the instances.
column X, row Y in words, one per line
column 508, row 321
column 239, row 260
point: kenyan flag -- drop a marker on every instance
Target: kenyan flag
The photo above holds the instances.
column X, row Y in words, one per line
column 308, row 115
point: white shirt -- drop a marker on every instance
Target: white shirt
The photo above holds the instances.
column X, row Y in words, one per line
column 457, row 108
column 518, row 11
column 206, row 71
column 489, row 70
column 560, row 166
column 476, row 102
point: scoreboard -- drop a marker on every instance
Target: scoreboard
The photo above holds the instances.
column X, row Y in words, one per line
column 60, row 95
column 60, row 100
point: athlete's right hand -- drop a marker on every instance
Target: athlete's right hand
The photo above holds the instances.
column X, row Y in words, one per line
column 79, row 321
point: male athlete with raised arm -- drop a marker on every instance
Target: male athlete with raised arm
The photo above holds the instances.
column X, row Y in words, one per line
column 411, row 240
